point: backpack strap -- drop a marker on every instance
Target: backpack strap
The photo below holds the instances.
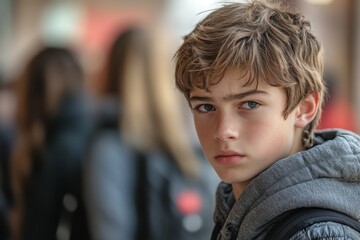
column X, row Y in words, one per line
column 304, row 217
column 142, row 195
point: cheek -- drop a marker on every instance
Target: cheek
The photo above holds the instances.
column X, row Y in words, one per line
column 204, row 133
column 202, row 129
column 268, row 135
column 255, row 131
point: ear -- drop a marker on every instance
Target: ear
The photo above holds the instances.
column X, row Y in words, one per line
column 307, row 110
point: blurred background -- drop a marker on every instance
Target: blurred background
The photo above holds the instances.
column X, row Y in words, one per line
column 90, row 25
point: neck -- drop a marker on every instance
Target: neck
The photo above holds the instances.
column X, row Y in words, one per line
column 238, row 188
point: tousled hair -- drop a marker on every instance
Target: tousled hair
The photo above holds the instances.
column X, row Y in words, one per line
column 265, row 41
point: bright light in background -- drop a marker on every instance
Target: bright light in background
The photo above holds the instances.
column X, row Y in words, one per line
column 60, row 23
column 320, row 2
column 183, row 15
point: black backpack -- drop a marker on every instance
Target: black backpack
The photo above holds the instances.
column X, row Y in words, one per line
column 303, row 217
column 170, row 205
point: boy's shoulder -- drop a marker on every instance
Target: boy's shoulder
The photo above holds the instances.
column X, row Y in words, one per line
column 315, row 223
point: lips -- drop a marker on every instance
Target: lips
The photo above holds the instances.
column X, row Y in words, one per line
column 229, row 157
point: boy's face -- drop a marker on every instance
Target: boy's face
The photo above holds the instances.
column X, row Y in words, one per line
column 242, row 130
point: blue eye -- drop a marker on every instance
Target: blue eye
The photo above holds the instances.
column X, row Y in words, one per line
column 250, row 105
column 205, row 108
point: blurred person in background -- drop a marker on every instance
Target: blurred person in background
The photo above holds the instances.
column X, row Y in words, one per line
column 144, row 178
column 7, row 139
column 54, row 121
column 7, row 132
column 337, row 110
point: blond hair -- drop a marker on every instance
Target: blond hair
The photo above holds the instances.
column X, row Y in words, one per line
column 267, row 41
column 151, row 117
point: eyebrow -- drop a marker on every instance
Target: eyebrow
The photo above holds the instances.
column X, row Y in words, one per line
column 229, row 97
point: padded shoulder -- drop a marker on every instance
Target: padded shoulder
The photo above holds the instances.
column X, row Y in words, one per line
column 327, row 231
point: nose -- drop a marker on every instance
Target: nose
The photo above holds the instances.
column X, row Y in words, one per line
column 226, row 128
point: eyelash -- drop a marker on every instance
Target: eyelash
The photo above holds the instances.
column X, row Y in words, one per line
column 198, row 107
column 251, row 108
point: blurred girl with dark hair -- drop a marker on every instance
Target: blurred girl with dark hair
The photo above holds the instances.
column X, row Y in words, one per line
column 53, row 114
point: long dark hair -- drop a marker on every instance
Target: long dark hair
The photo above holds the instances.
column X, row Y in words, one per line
column 49, row 65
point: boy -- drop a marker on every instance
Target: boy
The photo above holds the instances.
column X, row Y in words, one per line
column 252, row 73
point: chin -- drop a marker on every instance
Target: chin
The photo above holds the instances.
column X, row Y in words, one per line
column 230, row 179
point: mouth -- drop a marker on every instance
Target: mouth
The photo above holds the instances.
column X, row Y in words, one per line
column 229, row 157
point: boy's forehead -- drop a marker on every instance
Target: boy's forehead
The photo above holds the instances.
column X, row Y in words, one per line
column 233, row 82
column 234, row 78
